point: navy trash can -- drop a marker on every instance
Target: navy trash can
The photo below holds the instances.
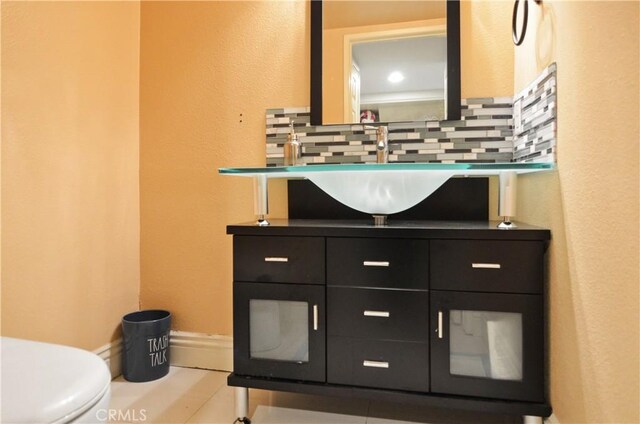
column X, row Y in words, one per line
column 145, row 354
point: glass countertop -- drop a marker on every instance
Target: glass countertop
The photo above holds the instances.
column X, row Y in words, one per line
column 455, row 168
column 382, row 188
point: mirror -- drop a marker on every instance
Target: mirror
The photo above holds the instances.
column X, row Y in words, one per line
column 384, row 61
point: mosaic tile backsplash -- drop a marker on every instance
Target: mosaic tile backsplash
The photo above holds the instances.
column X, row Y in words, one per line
column 484, row 134
column 535, row 139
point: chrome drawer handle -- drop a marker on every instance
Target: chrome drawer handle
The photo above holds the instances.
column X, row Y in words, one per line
column 381, row 314
column 315, row 317
column 485, row 265
column 440, row 335
column 276, row 259
column 375, row 263
column 375, row 364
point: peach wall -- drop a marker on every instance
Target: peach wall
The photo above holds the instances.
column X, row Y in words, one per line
column 353, row 13
column 590, row 204
column 70, row 216
column 209, row 70
column 486, row 49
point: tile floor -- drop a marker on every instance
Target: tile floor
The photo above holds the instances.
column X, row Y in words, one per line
column 189, row 395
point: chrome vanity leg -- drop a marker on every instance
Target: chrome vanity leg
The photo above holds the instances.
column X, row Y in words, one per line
column 530, row 419
column 242, row 405
column 261, row 199
column 507, row 203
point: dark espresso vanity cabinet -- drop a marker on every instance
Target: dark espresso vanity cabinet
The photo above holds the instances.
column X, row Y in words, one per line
column 448, row 314
column 279, row 307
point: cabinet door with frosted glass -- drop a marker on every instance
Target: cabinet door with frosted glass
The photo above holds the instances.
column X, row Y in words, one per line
column 279, row 330
column 487, row 344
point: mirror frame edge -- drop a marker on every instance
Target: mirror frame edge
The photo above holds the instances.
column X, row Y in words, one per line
column 454, row 89
column 316, row 63
column 453, row 62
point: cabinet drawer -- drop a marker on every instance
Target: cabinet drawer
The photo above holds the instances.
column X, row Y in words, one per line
column 378, row 313
column 279, row 259
column 487, row 266
column 390, row 263
column 375, row 363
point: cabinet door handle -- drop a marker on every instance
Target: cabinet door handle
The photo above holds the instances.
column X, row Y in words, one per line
column 276, row 259
column 440, row 335
column 375, row 364
column 315, row 317
column 485, row 265
column 381, row 314
column 375, row 263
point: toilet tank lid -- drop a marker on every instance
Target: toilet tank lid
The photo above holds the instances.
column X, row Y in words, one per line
column 47, row 383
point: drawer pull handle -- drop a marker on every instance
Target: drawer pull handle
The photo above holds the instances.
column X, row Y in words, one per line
column 375, row 364
column 485, row 266
column 381, row 314
column 440, row 335
column 375, row 263
column 276, row 259
column 315, row 317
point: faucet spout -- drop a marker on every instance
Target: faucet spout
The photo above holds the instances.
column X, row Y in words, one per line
column 382, row 144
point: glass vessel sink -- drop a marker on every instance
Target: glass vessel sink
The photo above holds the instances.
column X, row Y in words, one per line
column 380, row 192
column 383, row 189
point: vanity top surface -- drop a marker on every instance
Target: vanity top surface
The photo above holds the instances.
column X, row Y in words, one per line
column 478, row 230
column 298, row 171
column 384, row 188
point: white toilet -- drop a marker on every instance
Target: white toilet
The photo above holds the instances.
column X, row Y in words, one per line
column 47, row 383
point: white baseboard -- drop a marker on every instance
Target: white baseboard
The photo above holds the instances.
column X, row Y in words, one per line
column 112, row 355
column 190, row 350
column 199, row 350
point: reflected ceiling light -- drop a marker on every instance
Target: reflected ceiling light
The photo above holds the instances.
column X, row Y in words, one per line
column 395, row 77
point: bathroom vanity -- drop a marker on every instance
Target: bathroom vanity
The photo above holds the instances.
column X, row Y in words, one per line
column 440, row 307
column 441, row 313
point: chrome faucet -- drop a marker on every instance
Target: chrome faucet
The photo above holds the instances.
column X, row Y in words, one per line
column 382, row 144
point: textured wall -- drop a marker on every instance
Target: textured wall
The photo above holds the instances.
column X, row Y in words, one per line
column 590, row 204
column 209, row 70
column 486, row 50
column 70, row 216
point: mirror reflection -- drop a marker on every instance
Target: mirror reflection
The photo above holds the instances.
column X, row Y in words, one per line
column 384, row 61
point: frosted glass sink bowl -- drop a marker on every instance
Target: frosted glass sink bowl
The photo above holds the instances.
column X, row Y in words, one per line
column 380, row 192
column 382, row 189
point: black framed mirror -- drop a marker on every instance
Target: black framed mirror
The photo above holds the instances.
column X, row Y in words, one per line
column 451, row 83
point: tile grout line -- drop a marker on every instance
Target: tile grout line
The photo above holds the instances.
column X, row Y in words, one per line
column 207, row 399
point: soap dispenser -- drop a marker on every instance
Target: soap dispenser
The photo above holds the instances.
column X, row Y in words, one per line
column 292, row 149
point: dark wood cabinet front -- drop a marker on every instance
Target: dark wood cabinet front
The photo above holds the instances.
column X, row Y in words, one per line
column 446, row 315
column 487, row 344
column 378, row 313
column 298, row 260
column 279, row 330
column 373, row 262
column 487, row 265
column 378, row 363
